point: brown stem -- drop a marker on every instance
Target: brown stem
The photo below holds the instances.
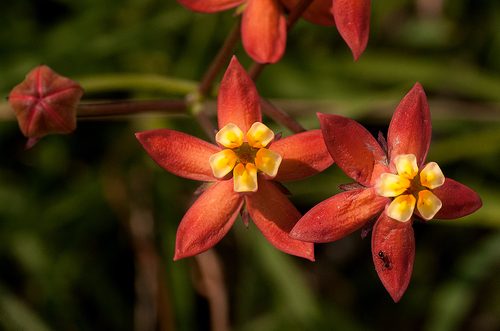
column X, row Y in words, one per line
column 220, row 60
column 296, row 12
column 129, row 107
column 209, row 281
column 280, row 116
column 207, row 125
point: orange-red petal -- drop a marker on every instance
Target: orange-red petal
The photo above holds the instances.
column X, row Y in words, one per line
column 338, row 216
column 396, row 241
column 263, row 30
column 238, row 101
column 210, row 6
column 303, row 155
column 410, row 129
column 179, row 153
column 458, row 200
column 208, row 220
column 353, row 148
column 352, row 18
column 275, row 216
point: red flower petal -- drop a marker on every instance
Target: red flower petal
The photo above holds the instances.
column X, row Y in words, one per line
column 458, row 200
column 410, row 129
column 353, row 148
column 45, row 103
column 238, row 101
column 179, row 153
column 352, row 18
column 263, row 30
column 275, row 216
column 303, row 155
column 319, row 11
column 208, row 220
column 210, row 6
column 395, row 242
column 338, row 216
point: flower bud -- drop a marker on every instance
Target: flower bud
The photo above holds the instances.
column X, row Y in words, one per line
column 45, row 103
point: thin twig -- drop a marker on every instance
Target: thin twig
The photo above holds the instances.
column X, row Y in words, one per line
column 210, row 283
column 220, row 60
column 280, row 116
column 129, row 107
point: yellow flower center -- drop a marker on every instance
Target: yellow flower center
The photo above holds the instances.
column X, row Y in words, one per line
column 411, row 186
column 245, row 157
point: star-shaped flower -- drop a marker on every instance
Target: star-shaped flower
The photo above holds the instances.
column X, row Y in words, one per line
column 394, row 185
column 45, row 103
column 242, row 169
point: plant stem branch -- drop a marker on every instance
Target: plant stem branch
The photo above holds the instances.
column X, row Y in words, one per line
column 220, row 60
column 129, row 107
column 280, row 116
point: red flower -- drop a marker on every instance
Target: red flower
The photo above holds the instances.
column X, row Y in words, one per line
column 45, row 103
column 393, row 185
column 352, row 18
column 264, row 30
column 241, row 170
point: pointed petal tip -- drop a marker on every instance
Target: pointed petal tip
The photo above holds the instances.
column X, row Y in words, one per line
column 31, row 142
column 393, row 252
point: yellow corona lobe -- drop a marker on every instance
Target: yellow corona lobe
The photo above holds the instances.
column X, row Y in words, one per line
column 268, row 161
column 406, row 165
column 401, row 208
column 222, row 162
column 259, row 135
column 391, row 185
column 230, row 136
column 428, row 204
column 432, row 176
column 245, row 178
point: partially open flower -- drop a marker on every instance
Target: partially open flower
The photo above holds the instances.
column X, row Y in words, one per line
column 45, row 103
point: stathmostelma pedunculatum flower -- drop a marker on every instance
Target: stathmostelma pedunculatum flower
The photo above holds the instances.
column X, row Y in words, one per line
column 243, row 168
column 393, row 186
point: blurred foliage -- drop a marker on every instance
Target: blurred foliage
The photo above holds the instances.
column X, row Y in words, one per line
column 80, row 214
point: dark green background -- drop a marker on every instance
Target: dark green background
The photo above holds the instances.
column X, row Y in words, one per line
column 69, row 257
